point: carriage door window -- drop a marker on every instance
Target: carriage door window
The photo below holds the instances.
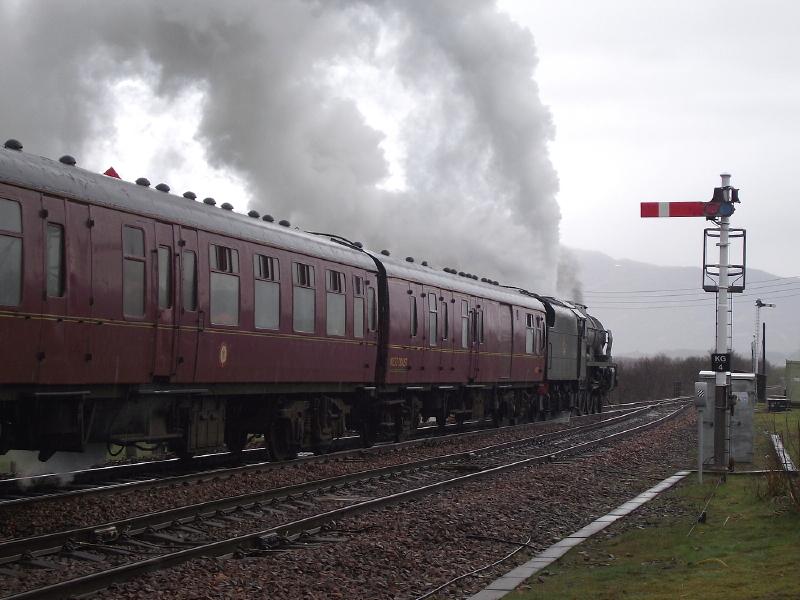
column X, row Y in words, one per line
column 412, row 307
column 55, row 260
column 164, row 277
column 358, row 307
column 540, row 328
column 465, row 324
column 529, row 333
column 224, row 263
column 268, row 292
column 10, row 253
column 303, row 303
column 133, row 271
column 372, row 309
column 445, row 321
column 189, row 281
column 334, row 303
column 433, row 318
column 479, row 326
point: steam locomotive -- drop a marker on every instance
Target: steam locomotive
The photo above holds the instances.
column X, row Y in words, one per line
column 130, row 315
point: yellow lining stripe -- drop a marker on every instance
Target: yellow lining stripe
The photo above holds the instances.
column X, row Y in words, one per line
column 153, row 326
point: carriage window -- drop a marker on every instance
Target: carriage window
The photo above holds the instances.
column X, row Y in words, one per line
column 224, row 285
column 303, row 275
column 335, row 303
column 266, row 268
column 10, row 270
column 529, row 333
column 132, row 241
column 541, row 332
column 133, row 272
column 189, row 281
column 164, row 277
column 464, row 324
column 10, row 253
column 445, row 322
column 335, row 282
column 268, row 292
column 268, row 304
column 413, row 315
column 433, row 319
column 55, row 260
column 358, row 307
column 303, row 298
column 358, row 317
column 10, row 216
column 372, row 309
column 225, row 260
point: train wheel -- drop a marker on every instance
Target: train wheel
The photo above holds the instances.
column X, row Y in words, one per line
column 280, row 440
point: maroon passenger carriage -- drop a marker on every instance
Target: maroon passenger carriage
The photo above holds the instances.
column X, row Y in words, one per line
column 131, row 315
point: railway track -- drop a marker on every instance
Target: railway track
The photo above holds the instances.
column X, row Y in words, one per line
column 117, row 478
column 80, row 561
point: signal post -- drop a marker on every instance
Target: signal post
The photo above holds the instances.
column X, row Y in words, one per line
column 719, row 210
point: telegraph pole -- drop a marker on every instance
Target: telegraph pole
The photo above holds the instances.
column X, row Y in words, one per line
column 757, row 344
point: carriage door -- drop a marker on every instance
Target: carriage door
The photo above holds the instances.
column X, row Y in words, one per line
column 53, row 345
column 505, row 336
column 433, row 334
column 164, row 266
column 475, row 337
column 187, row 313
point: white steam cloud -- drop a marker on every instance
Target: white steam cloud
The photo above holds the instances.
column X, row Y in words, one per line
column 296, row 98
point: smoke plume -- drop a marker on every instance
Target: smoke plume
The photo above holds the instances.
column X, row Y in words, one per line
column 287, row 102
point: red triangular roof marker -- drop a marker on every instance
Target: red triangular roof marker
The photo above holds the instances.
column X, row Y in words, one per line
column 112, row 173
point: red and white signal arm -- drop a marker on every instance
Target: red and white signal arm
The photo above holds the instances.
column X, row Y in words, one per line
column 673, row 209
column 687, row 209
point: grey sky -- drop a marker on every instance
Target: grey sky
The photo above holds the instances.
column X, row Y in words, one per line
column 652, row 100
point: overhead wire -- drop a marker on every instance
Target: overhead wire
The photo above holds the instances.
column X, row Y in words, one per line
column 699, row 303
column 793, row 280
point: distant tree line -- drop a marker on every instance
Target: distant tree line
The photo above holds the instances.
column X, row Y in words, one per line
column 659, row 376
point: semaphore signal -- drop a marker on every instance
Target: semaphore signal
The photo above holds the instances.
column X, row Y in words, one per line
column 718, row 209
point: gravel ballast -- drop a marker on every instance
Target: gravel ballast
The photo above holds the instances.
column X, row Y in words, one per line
column 406, row 550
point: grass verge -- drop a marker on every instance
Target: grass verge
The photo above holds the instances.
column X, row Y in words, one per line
column 748, row 547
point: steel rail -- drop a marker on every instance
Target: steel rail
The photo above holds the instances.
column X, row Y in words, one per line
column 14, row 549
column 145, row 473
column 100, row 580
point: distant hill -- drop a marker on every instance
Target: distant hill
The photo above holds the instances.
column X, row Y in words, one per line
column 684, row 326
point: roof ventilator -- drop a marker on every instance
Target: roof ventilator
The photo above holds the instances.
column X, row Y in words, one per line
column 253, row 214
column 226, row 206
column 284, row 222
column 210, row 201
column 162, row 187
column 190, row 195
column 143, row 181
column 13, row 144
column 268, row 218
column 67, row 160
